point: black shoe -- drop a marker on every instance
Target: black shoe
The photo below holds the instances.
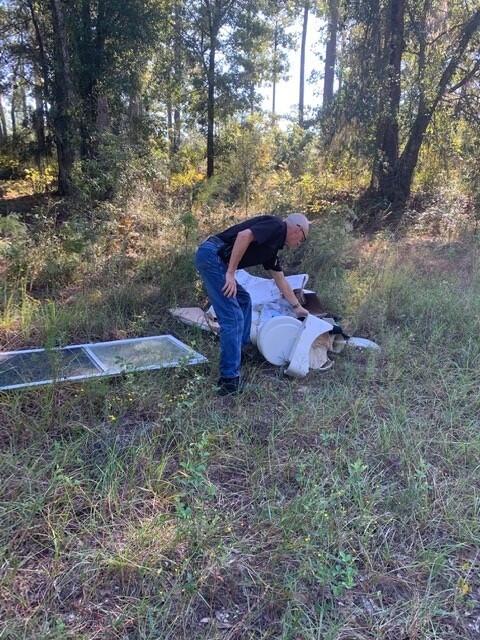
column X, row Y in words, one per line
column 229, row 386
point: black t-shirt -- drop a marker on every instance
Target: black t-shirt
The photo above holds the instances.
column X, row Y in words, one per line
column 269, row 234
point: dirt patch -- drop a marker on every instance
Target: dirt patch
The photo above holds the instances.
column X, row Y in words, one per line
column 24, row 204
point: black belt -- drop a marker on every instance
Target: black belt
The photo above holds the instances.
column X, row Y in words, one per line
column 222, row 250
column 216, row 240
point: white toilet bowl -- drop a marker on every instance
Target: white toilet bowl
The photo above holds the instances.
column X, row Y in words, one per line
column 276, row 338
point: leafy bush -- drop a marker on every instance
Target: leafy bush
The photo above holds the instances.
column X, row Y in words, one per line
column 324, row 258
column 41, row 181
column 248, row 156
column 471, row 178
column 447, row 214
column 116, row 169
column 15, row 245
column 10, row 166
column 43, row 256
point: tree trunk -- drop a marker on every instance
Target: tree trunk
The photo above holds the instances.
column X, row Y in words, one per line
column 86, row 81
column 215, row 15
column 170, row 132
column 211, row 111
column 302, row 65
column 177, row 129
column 103, row 114
column 377, row 40
column 250, row 66
column 13, row 106
column 38, row 123
column 404, row 175
column 340, row 71
column 384, row 177
column 274, row 70
column 135, row 112
column 3, row 122
column 177, row 74
column 63, row 101
column 41, row 49
column 394, row 182
column 330, row 53
column 408, row 159
column 23, row 97
column 100, row 122
column 91, row 52
column 46, row 88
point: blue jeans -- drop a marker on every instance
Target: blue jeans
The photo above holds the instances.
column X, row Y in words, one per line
column 234, row 314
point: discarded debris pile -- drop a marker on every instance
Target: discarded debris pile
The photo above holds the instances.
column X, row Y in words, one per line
column 281, row 338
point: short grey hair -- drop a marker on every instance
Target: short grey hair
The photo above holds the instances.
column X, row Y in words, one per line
column 299, row 220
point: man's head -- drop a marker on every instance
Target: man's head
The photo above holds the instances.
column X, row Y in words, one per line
column 297, row 230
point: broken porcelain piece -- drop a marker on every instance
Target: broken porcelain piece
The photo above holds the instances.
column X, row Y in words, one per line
column 363, row 343
column 309, row 332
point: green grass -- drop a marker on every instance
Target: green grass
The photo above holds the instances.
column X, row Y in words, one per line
column 344, row 506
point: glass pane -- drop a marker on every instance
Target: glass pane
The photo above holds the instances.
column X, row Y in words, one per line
column 140, row 353
column 26, row 368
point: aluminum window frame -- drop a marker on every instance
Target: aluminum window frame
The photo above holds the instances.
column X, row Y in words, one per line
column 103, row 370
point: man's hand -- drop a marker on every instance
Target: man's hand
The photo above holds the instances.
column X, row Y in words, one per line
column 230, row 286
column 288, row 294
column 300, row 312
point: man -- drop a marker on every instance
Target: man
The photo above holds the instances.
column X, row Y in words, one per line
column 252, row 242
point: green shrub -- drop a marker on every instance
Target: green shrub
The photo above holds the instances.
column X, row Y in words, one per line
column 116, row 169
column 41, row 181
column 15, row 247
column 324, row 257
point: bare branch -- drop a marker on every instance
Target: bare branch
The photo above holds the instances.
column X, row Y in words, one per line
column 466, row 78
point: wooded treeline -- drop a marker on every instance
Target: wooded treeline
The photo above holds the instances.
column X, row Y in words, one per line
column 76, row 72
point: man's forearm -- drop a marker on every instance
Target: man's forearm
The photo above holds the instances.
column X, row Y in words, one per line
column 285, row 289
column 240, row 245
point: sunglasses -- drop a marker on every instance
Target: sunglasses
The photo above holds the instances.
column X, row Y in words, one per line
column 303, row 233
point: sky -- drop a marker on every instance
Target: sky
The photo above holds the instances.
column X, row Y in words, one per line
column 287, row 91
